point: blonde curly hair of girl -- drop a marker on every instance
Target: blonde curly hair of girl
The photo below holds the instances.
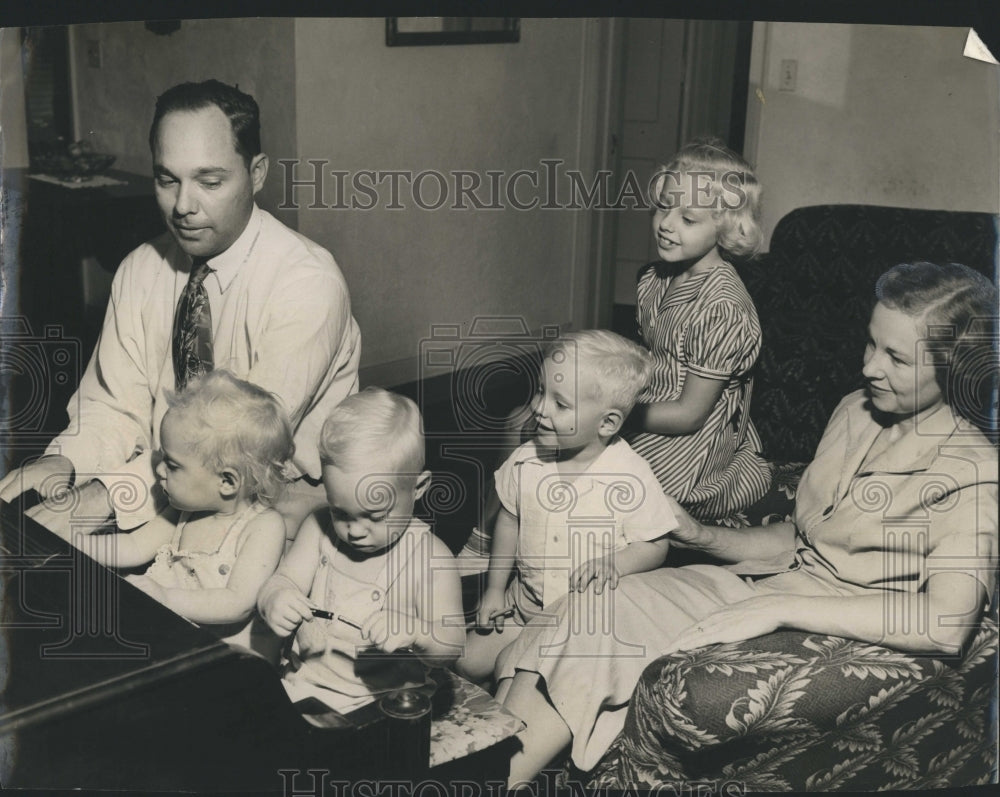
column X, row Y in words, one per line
column 233, row 423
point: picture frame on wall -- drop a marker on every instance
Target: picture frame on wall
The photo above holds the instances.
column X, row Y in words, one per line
column 421, row 31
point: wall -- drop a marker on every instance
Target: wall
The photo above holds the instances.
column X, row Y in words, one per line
column 13, row 124
column 503, row 107
column 115, row 102
column 885, row 115
column 677, row 85
column 331, row 89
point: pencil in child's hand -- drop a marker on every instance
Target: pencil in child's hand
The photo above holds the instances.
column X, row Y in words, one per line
column 324, row 614
column 351, row 623
column 327, row 615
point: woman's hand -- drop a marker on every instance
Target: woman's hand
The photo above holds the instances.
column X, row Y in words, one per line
column 747, row 619
column 689, row 533
column 733, row 545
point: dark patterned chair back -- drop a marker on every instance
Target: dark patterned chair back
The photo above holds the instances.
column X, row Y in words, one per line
column 814, row 291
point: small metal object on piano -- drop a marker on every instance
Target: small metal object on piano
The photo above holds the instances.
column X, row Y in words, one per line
column 409, row 713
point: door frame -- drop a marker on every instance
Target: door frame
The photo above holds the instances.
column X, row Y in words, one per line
column 604, row 74
column 601, row 102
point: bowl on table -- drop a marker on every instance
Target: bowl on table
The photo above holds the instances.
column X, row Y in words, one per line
column 75, row 163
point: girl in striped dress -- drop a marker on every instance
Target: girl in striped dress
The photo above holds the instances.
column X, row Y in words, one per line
column 693, row 423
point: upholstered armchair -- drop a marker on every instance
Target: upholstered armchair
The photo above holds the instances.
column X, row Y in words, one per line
column 797, row 711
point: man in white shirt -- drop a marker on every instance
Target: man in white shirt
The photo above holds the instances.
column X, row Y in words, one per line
column 280, row 316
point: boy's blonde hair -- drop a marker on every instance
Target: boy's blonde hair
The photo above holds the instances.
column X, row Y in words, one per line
column 231, row 423
column 374, row 425
column 734, row 192
column 619, row 369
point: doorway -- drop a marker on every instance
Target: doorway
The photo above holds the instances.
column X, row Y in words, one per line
column 47, row 95
column 680, row 79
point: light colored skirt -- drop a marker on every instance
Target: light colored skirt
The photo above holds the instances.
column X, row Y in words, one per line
column 594, row 648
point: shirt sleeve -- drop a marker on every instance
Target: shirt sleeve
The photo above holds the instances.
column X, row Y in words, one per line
column 963, row 530
column 817, row 486
column 308, row 353
column 506, row 479
column 724, row 341
column 130, row 490
column 109, row 415
column 647, row 515
column 645, row 283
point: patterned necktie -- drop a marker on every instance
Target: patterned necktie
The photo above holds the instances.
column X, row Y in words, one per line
column 193, row 328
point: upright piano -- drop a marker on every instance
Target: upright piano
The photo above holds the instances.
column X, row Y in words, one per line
column 101, row 687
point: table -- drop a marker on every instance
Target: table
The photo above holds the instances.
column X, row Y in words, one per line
column 55, row 227
column 473, row 738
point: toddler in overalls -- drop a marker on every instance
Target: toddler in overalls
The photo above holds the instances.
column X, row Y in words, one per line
column 372, row 596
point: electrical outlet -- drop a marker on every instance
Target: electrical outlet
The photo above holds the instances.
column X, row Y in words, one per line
column 789, row 74
column 94, row 53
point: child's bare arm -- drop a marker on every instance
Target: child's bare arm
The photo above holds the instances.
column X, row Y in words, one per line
column 301, row 560
column 684, row 415
column 637, row 557
column 444, row 609
column 283, row 601
column 504, row 548
column 640, row 557
column 128, row 549
column 257, row 560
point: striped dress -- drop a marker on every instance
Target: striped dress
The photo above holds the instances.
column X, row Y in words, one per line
column 707, row 327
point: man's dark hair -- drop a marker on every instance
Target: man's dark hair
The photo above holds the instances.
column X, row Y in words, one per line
column 240, row 108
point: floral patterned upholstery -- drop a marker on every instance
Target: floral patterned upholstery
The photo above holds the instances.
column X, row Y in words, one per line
column 798, row 711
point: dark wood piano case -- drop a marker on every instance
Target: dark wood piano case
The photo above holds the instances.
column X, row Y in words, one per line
column 104, row 688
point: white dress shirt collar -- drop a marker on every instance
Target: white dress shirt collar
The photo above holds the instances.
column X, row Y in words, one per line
column 227, row 264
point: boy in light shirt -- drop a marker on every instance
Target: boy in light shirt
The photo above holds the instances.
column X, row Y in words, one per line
column 579, row 508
